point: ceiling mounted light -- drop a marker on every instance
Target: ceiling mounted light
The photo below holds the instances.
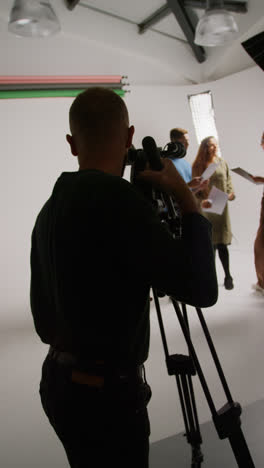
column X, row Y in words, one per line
column 216, row 27
column 33, row 18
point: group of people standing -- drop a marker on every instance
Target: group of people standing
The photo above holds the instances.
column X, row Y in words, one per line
column 221, row 226
column 221, row 179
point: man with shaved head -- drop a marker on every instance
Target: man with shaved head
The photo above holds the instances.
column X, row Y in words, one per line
column 97, row 248
column 99, row 120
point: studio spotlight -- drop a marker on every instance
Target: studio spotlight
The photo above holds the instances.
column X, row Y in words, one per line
column 216, row 27
column 33, row 18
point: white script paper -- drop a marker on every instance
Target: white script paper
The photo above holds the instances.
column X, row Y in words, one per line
column 245, row 174
column 209, row 171
column 218, row 199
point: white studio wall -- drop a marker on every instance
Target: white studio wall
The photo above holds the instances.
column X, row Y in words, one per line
column 238, row 107
column 91, row 43
column 34, row 153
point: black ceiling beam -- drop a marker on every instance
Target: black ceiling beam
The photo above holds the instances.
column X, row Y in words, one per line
column 230, row 5
column 158, row 15
column 178, row 9
column 71, row 4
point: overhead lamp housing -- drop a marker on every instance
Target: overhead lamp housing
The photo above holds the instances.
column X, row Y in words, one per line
column 216, row 27
column 33, row 18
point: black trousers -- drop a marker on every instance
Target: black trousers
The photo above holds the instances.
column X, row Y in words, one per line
column 224, row 257
column 97, row 426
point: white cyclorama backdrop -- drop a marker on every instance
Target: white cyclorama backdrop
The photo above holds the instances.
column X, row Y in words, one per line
column 34, row 152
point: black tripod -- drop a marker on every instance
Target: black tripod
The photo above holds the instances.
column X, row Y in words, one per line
column 183, row 368
column 227, row 420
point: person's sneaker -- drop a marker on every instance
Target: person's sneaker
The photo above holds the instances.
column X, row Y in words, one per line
column 229, row 282
column 258, row 288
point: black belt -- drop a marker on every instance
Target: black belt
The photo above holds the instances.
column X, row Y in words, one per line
column 96, row 367
column 63, row 357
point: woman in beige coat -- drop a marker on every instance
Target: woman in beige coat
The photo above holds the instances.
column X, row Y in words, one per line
column 221, row 179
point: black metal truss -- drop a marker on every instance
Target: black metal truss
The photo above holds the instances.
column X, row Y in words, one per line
column 71, row 4
column 181, row 11
column 184, row 14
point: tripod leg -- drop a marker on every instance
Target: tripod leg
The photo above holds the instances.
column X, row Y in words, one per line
column 227, row 419
column 240, row 449
column 193, row 432
column 182, row 368
column 190, row 417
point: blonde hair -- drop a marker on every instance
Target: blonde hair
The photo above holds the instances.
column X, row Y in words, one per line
column 202, row 158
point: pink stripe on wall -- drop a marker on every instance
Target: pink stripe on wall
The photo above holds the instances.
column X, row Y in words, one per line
column 60, row 79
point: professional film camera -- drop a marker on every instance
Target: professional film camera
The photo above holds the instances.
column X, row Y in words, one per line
column 151, row 155
column 170, row 150
column 227, row 419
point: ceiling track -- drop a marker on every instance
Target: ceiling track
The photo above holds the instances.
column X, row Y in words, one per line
column 126, row 20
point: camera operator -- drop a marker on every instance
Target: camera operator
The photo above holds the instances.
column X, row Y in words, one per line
column 180, row 135
column 97, row 248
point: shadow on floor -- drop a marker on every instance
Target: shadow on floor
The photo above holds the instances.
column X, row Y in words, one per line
column 175, row 452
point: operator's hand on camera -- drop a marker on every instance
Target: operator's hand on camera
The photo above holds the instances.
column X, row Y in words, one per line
column 169, row 180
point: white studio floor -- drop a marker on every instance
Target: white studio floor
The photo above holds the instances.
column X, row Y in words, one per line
column 236, row 324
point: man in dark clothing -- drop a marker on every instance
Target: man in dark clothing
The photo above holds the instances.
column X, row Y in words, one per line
column 97, row 248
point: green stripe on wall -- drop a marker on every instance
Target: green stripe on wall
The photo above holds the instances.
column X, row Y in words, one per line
column 47, row 93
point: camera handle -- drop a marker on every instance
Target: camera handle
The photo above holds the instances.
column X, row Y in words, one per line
column 227, row 420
